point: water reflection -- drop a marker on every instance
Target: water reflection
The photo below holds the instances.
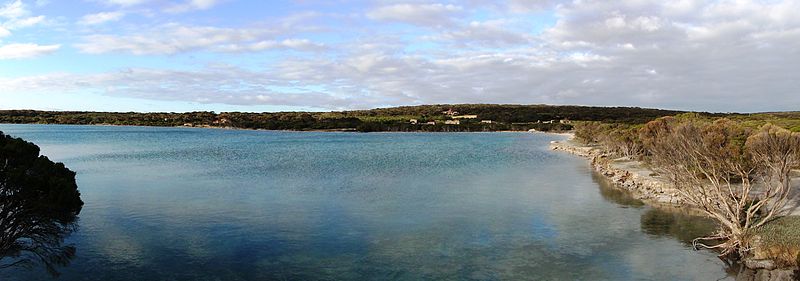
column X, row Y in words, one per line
column 322, row 206
column 615, row 194
column 662, row 221
column 39, row 204
column 681, row 226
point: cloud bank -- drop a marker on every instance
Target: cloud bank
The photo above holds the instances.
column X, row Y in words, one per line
column 697, row 55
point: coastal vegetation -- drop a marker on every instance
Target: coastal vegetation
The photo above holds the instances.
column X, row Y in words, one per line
column 429, row 118
column 39, row 205
column 735, row 170
column 780, row 240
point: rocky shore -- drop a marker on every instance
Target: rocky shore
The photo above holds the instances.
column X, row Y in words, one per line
column 628, row 174
column 646, row 185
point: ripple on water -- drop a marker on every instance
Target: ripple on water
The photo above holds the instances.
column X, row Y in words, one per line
column 176, row 203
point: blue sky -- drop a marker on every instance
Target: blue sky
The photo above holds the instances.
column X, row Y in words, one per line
column 229, row 55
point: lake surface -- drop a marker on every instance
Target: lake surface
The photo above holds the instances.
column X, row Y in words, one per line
column 207, row 204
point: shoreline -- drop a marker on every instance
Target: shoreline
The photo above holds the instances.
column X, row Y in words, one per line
column 645, row 185
column 635, row 177
column 627, row 174
column 343, row 130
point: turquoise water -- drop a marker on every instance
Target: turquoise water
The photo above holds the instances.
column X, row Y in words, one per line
column 206, row 204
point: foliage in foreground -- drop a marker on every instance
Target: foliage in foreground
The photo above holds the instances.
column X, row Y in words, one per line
column 39, row 205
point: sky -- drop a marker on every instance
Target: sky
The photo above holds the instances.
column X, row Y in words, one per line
column 252, row 56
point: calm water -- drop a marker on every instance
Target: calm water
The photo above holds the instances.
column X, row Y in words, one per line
column 205, row 204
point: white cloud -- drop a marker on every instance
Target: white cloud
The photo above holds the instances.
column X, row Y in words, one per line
column 177, row 6
column 514, row 6
column 294, row 44
column 175, row 38
column 419, row 14
column 166, row 39
column 103, row 17
column 220, row 84
column 637, row 53
column 20, row 51
column 14, row 15
column 124, row 3
column 23, row 22
column 703, row 55
column 13, row 9
column 203, row 4
column 487, row 33
column 192, row 5
column 522, row 6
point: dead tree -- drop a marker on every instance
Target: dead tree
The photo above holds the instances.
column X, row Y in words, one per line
column 738, row 179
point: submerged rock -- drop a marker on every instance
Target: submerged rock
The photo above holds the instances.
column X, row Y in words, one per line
column 760, row 264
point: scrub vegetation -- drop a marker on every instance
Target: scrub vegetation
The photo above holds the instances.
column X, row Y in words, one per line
column 431, row 118
column 39, row 205
column 780, row 240
column 736, row 170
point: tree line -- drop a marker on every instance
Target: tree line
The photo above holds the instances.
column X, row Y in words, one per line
column 503, row 117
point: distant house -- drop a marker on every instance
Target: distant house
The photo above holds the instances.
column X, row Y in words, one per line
column 430, row 123
column 188, row 125
column 487, row 121
column 548, row 122
column 465, row 117
column 450, row 112
column 413, row 121
column 452, row 122
column 565, row 121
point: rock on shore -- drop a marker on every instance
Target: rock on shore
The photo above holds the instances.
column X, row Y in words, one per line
column 631, row 175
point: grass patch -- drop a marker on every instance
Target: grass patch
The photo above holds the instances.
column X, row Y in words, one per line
column 779, row 240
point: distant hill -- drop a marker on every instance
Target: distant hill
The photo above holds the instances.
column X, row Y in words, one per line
column 529, row 113
column 470, row 117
